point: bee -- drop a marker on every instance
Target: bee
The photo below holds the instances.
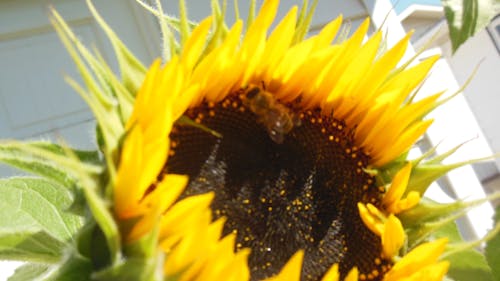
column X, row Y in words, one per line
column 277, row 118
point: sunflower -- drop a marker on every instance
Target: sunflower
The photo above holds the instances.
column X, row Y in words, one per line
column 281, row 156
column 244, row 153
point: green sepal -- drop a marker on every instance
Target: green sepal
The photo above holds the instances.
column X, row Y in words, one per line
column 250, row 15
column 428, row 217
column 492, row 250
column 37, row 157
column 170, row 46
column 423, row 175
column 91, row 243
column 304, row 21
column 85, row 156
column 430, row 155
column 74, row 267
column 422, row 231
column 99, row 137
column 220, row 27
column 142, row 261
column 131, row 69
column 186, row 121
column 146, row 246
column 29, row 271
column 428, row 168
column 98, row 94
column 428, row 210
column 386, row 173
column 36, row 165
column 168, row 41
column 131, row 269
column 101, row 212
column 114, row 86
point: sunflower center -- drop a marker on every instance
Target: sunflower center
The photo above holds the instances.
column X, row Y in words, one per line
column 285, row 179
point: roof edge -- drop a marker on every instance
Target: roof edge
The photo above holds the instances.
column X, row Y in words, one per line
column 430, row 11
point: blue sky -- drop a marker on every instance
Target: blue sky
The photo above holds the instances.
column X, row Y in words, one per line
column 403, row 4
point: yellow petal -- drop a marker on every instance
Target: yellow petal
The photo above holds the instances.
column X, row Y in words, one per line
column 185, row 252
column 292, row 269
column 433, row 272
column 254, row 42
column 332, row 274
column 127, row 191
column 380, row 120
column 155, row 203
column 195, row 44
column 143, row 96
column 398, row 186
column 352, row 275
column 327, row 34
column 393, row 236
column 277, row 44
column 411, row 77
column 350, row 49
column 411, row 200
column 221, row 260
column 420, row 257
column 205, row 248
column 237, row 270
column 370, row 87
column 370, row 220
column 354, row 74
column 183, row 215
column 403, row 143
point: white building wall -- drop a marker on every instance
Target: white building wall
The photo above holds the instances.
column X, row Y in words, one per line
column 483, row 93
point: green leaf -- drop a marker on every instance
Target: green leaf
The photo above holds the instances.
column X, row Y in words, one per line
column 29, row 271
column 465, row 265
column 31, row 205
column 34, row 247
column 466, row 17
column 469, row 265
column 450, row 231
column 492, row 251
